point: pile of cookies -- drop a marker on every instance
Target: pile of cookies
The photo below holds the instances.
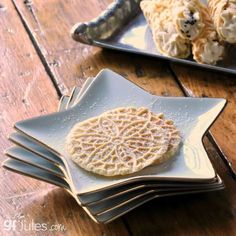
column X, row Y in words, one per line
column 180, row 27
column 122, row 141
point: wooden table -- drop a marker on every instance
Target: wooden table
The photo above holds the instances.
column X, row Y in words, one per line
column 39, row 62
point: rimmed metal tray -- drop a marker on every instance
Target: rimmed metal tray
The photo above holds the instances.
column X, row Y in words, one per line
column 123, row 27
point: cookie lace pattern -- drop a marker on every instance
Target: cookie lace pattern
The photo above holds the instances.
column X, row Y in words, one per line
column 119, row 142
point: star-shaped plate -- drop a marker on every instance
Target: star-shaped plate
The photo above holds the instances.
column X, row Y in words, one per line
column 192, row 116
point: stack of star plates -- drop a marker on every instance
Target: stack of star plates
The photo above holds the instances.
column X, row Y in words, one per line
column 39, row 149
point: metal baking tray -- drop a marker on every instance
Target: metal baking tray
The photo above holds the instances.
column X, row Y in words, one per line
column 123, row 27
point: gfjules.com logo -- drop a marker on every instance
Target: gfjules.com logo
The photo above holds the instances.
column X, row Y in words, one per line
column 23, row 225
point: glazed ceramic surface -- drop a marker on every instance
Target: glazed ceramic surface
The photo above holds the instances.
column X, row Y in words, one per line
column 193, row 116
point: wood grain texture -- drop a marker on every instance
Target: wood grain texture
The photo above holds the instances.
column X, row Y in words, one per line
column 25, row 91
column 202, row 83
column 23, row 84
column 49, row 23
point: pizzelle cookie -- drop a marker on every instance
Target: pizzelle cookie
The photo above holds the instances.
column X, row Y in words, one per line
column 174, row 139
column 166, row 37
column 122, row 141
column 223, row 13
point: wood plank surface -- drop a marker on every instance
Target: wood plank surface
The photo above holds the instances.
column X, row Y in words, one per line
column 50, row 23
column 203, row 83
column 69, row 63
column 25, row 91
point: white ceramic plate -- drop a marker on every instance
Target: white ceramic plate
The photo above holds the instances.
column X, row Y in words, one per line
column 106, row 211
column 137, row 201
column 73, row 95
column 33, row 159
column 25, row 142
column 193, row 116
column 93, row 198
column 63, row 102
column 116, row 201
column 34, row 172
